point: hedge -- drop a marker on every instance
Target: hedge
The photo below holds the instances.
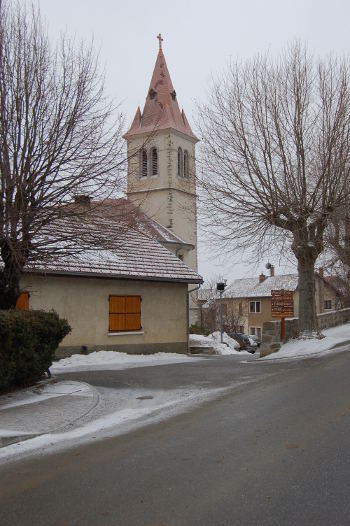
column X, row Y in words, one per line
column 28, row 340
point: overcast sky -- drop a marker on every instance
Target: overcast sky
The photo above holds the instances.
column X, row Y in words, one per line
column 200, row 38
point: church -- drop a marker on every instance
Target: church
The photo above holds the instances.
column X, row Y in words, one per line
column 161, row 171
column 138, row 295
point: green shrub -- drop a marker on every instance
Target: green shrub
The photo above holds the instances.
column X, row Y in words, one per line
column 196, row 329
column 28, row 340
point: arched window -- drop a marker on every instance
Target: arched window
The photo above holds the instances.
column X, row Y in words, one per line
column 180, row 165
column 186, row 165
column 154, row 160
column 143, row 164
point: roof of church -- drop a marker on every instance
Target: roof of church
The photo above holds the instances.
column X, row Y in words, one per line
column 145, row 224
column 118, row 245
column 161, row 110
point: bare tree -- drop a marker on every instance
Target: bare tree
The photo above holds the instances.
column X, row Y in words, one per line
column 59, row 137
column 338, row 245
column 276, row 146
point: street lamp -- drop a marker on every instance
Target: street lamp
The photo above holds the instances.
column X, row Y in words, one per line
column 220, row 287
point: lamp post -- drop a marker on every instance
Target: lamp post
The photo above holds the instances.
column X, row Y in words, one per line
column 220, row 287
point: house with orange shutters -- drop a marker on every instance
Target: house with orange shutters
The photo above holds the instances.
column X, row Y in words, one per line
column 136, row 295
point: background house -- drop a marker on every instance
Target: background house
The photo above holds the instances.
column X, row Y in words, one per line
column 250, row 298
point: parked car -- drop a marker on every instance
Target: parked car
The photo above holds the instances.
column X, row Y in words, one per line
column 244, row 342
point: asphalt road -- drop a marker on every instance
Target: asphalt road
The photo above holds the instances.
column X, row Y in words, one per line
column 273, row 451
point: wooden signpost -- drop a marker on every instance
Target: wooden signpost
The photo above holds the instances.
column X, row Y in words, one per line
column 282, row 306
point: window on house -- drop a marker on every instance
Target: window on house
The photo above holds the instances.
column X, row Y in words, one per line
column 124, row 313
column 180, row 166
column 144, row 164
column 186, row 165
column 254, row 306
column 22, row 302
column 327, row 304
column 154, row 157
column 240, row 309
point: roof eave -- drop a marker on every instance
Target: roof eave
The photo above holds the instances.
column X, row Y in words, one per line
column 140, row 132
column 92, row 274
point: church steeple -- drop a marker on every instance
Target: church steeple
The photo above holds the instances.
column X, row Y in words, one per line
column 161, row 176
column 161, row 110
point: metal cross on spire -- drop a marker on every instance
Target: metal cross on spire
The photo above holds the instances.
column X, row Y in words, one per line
column 160, row 41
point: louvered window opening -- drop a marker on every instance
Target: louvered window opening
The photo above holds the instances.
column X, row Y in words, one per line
column 180, row 166
column 124, row 313
column 186, row 165
column 154, row 157
column 144, row 163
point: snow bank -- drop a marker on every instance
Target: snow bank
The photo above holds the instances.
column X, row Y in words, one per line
column 305, row 348
column 214, row 341
column 103, row 360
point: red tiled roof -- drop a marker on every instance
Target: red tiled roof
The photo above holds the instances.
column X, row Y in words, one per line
column 161, row 110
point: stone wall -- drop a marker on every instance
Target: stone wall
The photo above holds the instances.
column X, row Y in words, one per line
column 271, row 338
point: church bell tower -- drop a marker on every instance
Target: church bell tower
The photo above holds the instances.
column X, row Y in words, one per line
column 161, row 170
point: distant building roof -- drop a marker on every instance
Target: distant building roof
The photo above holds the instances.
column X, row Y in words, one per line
column 251, row 288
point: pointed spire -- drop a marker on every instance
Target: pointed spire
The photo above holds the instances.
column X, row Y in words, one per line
column 136, row 123
column 161, row 110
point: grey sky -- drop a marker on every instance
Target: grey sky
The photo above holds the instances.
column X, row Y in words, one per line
column 200, row 37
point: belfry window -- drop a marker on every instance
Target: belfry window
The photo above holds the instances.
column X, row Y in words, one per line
column 154, row 159
column 180, row 165
column 186, row 165
column 144, row 164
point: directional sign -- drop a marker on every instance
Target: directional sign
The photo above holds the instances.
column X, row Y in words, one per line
column 282, row 304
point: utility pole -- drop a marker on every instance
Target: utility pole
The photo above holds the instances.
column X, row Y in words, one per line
column 220, row 287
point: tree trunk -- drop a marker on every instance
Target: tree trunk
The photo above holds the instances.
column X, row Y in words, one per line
column 9, row 278
column 306, row 286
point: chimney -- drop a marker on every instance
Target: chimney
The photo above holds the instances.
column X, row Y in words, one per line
column 262, row 277
column 83, row 200
column 272, row 271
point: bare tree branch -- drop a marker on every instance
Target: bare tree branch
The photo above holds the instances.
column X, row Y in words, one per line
column 275, row 157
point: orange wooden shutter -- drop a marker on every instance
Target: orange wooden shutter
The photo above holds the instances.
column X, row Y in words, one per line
column 133, row 313
column 124, row 313
column 22, row 302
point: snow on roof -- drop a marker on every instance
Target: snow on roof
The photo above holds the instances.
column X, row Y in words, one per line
column 251, row 288
column 119, row 247
column 149, row 226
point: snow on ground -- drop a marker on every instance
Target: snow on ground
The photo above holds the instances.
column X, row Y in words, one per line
column 230, row 346
column 43, row 391
column 104, row 360
column 305, row 348
column 132, row 412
